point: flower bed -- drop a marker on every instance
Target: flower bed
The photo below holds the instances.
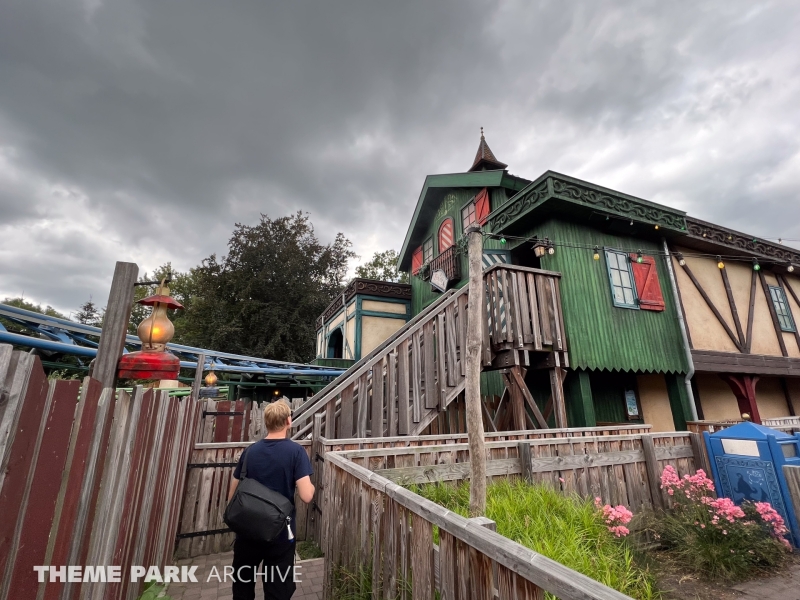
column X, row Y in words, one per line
column 714, row 536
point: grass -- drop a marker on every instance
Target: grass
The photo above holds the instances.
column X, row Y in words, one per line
column 567, row 529
column 308, row 549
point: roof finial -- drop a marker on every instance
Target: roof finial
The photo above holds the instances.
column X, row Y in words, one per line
column 482, row 133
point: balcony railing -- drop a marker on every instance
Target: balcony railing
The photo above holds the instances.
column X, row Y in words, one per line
column 448, row 261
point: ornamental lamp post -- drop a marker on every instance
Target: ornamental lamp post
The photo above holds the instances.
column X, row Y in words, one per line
column 153, row 361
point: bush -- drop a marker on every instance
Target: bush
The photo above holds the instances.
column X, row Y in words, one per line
column 715, row 537
column 567, row 529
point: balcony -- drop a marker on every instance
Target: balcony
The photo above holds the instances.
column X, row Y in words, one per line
column 448, row 261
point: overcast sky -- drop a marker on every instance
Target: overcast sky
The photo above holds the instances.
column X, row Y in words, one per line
column 144, row 130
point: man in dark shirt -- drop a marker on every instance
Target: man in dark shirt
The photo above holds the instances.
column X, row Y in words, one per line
column 282, row 465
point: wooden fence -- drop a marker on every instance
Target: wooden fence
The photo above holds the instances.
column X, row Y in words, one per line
column 620, row 469
column 227, row 421
column 789, row 425
column 87, row 477
column 377, row 525
column 210, row 470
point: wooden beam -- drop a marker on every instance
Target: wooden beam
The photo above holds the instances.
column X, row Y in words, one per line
column 713, row 307
column 750, row 314
column 525, row 461
column 775, row 323
column 744, row 388
column 517, row 378
column 788, row 396
column 557, row 391
column 115, row 323
column 732, row 304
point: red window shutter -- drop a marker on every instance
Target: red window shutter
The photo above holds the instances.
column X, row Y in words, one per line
column 648, row 287
column 416, row 261
column 482, row 206
column 446, row 236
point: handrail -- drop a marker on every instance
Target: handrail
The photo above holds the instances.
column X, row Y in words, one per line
column 336, row 386
column 547, row 574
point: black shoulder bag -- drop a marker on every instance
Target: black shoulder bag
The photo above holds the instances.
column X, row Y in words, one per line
column 257, row 512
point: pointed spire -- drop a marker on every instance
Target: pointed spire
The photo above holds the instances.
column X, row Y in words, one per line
column 485, row 159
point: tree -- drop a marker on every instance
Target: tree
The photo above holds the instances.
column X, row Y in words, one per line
column 264, row 297
column 383, row 267
column 88, row 314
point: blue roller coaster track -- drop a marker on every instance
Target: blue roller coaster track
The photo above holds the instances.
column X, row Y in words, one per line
column 62, row 336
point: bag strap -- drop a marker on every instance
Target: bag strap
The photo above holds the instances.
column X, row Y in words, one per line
column 243, row 472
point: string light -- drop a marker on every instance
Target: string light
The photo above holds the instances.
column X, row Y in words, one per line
column 657, row 227
column 682, row 261
column 631, row 222
column 639, row 257
column 551, row 250
column 596, row 254
column 681, row 256
column 756, row 266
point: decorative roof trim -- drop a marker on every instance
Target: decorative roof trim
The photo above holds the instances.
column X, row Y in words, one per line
column 716, row 234
column 370, row 287
column 555, row 185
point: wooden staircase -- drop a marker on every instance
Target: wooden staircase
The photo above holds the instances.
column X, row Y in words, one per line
column 403, row 385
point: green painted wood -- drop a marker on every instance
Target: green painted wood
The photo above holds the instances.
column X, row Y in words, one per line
column 434, row 190
column 600, row 335
column 580, row 404
column 678, row 400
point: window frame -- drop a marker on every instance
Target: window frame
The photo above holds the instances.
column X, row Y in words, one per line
column 783, row 313
column 427, row 245
column 471, row 203
column 619, row 254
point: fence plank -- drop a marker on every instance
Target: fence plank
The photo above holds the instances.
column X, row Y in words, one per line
column 376, row 423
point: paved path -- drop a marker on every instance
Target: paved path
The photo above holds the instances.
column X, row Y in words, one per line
column 309, row 588
column 784, row 587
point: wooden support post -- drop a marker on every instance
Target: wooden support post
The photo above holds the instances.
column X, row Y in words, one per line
column 525, row 460
column 557, row 390
column 198, row 376
column 744, row 388
column 653, row 476
column 115, row 324
column 699, row 452
column 475, row 431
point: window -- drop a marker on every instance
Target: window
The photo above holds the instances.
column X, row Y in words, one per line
column 427, row 250
column 782, row 308
column 468, row 215
column 623, row 291
column 446, row 237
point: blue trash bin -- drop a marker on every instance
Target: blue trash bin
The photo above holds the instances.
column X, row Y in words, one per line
column 747, row 464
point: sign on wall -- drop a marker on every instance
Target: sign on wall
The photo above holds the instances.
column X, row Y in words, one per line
column 439, row 280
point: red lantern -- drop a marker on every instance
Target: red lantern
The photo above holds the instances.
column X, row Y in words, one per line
column 153, row 361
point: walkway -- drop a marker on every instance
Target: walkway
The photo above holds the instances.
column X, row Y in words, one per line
column 785, row 587
column 208, row 586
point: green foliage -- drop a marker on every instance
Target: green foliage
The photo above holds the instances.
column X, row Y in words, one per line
column 88, row 314
column 568, row 529
column 357, row 585
column 263, row 298
column 383, row 267
column 153, row 590
column 308, row 549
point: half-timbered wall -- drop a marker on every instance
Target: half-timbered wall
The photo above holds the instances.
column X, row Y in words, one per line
column 706, row 330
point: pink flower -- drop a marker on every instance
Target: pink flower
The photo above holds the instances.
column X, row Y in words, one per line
column 561, row 479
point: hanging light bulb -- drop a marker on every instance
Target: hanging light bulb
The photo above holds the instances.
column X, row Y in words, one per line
column 502, row 240
column 631, row 222
column 756, row 266
column 153, row 361
column 211, row 378
column 720, row 264
column 682, row 261
column 551, row 250
column 596, row 254
column 790, row 268
column 639, row 257
column 657, row 227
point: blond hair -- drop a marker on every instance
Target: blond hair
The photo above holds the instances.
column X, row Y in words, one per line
column 276, row 415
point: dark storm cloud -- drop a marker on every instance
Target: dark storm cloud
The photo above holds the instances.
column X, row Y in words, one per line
column 144, row 130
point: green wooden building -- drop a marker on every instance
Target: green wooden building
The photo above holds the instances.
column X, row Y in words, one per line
column 627, row 358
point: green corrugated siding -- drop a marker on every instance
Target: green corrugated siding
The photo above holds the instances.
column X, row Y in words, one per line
column 600, row 335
